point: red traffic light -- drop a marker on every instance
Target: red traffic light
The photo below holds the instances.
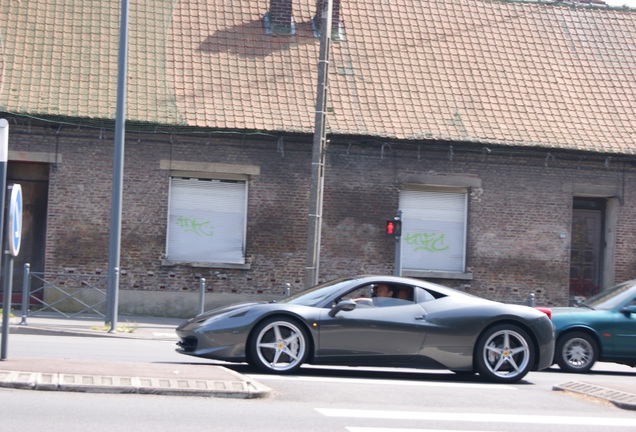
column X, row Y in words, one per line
column 393, row 227
column 390, row 227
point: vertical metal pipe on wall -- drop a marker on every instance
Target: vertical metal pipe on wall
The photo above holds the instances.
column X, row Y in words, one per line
column 312, row 266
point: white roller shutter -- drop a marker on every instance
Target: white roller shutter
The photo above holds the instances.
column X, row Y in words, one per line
column 206, row 221
column 433, row 230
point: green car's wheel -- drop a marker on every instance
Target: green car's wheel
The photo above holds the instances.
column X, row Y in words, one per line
column 576, row 352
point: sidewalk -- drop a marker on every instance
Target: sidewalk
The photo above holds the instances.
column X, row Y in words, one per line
column 120, row 377
column 133, row 327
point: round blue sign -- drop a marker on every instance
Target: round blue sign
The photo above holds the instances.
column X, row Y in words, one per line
column 15, row 219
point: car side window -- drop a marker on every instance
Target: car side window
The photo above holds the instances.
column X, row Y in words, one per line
column 422, row 295
column 380, row 295
column 361, row 292
column 403, row 292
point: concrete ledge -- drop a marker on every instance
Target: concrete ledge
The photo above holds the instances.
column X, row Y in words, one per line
column 170, row 304
column 89, row 376
column 88, row 383
column 619, row 398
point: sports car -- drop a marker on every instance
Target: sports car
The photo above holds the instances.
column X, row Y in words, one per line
column 343, row 322
column 602, row 328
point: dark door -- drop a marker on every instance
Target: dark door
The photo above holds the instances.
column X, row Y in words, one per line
column 586, row 252
column 33, row 178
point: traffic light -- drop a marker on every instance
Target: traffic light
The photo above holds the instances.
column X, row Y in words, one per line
column 394, row 227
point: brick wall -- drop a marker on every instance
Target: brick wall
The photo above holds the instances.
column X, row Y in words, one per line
column 519, row 219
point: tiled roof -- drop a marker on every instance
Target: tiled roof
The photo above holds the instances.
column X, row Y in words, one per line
column 488, row 71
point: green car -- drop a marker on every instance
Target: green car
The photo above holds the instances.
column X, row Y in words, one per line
column 602, row 328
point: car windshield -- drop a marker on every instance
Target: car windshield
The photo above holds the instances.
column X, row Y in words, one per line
column 314, row 296
column 609, row 299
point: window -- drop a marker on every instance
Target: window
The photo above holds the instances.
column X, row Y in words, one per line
column 433, row 230
column 382, row 294
column 206, row 220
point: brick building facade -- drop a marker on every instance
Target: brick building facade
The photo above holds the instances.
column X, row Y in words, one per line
column 502, row 130
column 518, row 229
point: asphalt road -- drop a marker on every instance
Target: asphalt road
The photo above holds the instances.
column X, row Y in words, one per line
column 316, row 399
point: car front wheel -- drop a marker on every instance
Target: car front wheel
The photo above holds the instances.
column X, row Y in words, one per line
column 278, row 345
column 504, row 354
column 576, row 352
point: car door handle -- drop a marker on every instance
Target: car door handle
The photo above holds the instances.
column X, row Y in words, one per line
column 421, row 317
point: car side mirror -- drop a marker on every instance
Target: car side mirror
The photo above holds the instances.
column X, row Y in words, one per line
column 629, row 310
column 345, row 305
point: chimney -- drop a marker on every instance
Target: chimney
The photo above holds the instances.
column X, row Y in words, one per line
column 280, row 16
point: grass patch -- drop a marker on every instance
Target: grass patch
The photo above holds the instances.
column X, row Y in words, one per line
column 128, row 327
column 10, row 313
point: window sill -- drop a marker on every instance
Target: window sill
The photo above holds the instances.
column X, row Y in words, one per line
column 437, row 274
column 170, row 263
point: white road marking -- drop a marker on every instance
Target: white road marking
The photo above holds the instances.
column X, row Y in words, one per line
column 478, row 417
column 382, row 382
column 373, row 429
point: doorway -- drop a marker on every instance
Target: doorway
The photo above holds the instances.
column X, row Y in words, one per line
column 34, row 180
column 587, row 247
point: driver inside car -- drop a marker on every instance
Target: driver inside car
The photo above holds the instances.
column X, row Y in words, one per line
column 383, row 295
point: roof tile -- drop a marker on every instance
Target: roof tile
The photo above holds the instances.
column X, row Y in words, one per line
column 490, row 71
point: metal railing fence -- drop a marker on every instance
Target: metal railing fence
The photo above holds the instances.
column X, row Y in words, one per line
column 70, row 294
column 67, row 294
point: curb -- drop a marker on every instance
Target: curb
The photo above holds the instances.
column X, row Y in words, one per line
column 132, row 385
column 621, row 399
column 127, row 378
column 38, row 330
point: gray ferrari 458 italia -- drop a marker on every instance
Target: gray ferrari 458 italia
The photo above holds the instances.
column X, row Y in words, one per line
column 382, row 321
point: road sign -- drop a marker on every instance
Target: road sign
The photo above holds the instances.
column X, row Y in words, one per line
column 15, row 220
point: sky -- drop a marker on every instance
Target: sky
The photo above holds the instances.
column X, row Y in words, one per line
column 630, row 3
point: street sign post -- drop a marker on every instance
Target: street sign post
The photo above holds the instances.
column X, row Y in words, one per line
column 397, row 266
column 13, row 238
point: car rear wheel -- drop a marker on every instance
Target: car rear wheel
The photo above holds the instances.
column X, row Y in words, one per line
column 278, row 345
column 504, row 354
column 576, row 352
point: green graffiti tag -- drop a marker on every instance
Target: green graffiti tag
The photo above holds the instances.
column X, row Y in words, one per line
column 194, row 226
column 431, row 242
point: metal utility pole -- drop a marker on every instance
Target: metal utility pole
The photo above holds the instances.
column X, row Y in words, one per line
column 318, row 151
column 114, row 245
column 4, row 158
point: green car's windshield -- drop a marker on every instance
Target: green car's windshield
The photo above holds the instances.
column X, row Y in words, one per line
column 609, row 299
column 315, row 295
